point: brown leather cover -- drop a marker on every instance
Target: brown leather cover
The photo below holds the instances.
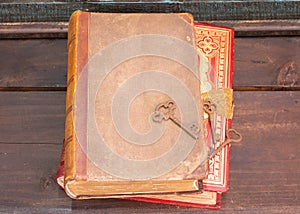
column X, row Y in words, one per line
column 99, row 160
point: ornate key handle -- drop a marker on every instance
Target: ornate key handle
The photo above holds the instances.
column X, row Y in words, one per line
column 166, row 111
column 232, row 136
column 209, row 107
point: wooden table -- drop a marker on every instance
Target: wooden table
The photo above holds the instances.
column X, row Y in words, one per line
column 265, row 167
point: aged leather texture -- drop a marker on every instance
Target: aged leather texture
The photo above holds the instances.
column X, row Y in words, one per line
column 121, row 68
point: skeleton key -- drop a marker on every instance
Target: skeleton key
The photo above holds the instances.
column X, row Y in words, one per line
column 210, row 108
column 166, row 111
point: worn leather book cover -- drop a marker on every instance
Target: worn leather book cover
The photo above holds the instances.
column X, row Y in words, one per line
column 134, row 113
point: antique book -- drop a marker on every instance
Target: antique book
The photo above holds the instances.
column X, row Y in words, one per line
column 215, row 46
column 134, row 113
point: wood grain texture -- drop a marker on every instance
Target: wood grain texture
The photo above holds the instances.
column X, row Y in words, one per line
column 27, row 180
column 242, row 28
column 264, row 173
column 264, row 168
column 267, row 61
column 31, row 30
column 283, row 27
column 203, row 10
column 32, row 117
column 270, row 63
column 33, row 63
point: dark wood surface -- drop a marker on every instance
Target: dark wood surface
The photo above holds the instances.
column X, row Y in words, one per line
column 203, row 10
column 264, row 171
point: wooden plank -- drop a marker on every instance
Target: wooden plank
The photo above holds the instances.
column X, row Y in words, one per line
column 264, row 167
column 287, row 27
column 40, row 11
column 32, row 117
column 264, row 175
column 30, row 30
column 27, row 179
column 33, row 63
column 269, row 63
column 33, row 30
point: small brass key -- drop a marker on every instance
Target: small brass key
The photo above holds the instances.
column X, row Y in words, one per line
column 166, row 111
column 210, row 108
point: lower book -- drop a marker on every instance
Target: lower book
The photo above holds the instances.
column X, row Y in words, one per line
column 205, row 199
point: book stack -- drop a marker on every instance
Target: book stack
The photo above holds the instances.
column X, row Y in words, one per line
column 148, row 108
